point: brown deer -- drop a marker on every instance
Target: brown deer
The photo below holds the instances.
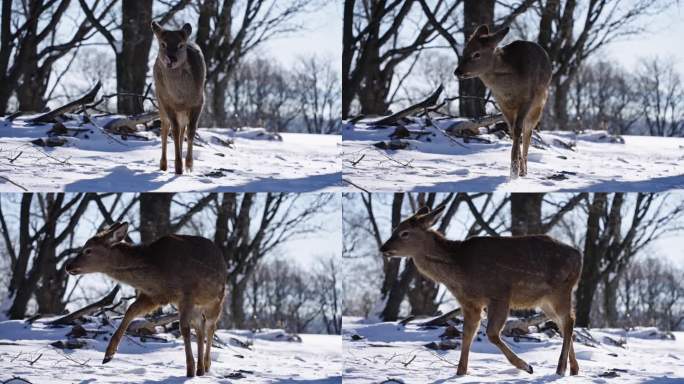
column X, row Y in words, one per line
column 187, row 271
column 179, row 74
column 498, row 273
column 518, row 75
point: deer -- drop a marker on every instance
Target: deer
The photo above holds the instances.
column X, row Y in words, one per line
column 179, row 76
column 518, row 75
column 499, row 273
column 187, row 271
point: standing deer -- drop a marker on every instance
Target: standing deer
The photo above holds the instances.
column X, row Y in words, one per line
column 179, row 74
column 498, row 273
column 518, row 75
column 187, row 271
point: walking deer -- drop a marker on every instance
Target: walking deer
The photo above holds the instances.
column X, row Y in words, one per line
column 518, row 75
column 498, row 273
column 179, row 74
column 188, row 271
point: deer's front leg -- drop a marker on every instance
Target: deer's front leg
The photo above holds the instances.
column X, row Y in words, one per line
column 177, row 145
column 141, row 306
column 164, row 139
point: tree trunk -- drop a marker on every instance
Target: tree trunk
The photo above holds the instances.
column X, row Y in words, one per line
column 610, row 311
column 237, row 303
column 347, row 47
column 218, row 102
column 560, row 105
column 526, row 213
column 155, row 216
column 131, row 62
column 423, row 296
column 475, row 12
column 590, row 277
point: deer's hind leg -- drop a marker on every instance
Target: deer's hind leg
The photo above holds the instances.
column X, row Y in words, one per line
column 497, row 313
column 211, row 316
column 560, row 312
column 531, row 123
column 185, row 309
column 200, row 328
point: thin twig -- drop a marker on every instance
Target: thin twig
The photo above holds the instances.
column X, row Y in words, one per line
column 354, row 185
column 13, row 183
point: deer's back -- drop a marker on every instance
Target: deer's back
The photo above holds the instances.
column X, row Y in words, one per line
column 185, row 265
column 183, row 88
column 527, row 268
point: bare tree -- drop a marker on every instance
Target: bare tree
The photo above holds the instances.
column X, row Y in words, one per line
column 32, row 39
column 317, row 88
column 228, row 30
column 248, row 228
column 662, row 97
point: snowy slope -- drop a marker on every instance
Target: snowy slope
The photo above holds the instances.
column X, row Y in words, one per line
column 317, row 359
column 93, row 161
column 435, row 162
column 392, row 351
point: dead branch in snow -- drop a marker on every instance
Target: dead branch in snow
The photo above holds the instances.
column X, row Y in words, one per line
column 412, row 109
column 88, row 309
column 51, row 116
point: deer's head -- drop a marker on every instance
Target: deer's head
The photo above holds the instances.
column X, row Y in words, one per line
column 173, row 44
column 478, row 54
column 410, row 236
column 95, row 255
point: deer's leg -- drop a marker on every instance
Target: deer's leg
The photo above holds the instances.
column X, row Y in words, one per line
column 201, row 334
column 212, row 318
column 164, row 140
column 566, row 324
column 497, row 312
column 192, row 128
column 185, row 311
column 531, row 124
column 142, row 305
column 177, row 144
column 471, row 323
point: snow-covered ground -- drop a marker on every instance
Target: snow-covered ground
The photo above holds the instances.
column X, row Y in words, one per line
column 25, row 352
column 94, row 161
column 392, row 351
column 436, row 162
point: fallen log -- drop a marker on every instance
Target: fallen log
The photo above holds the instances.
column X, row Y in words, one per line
column 421, row 105
column 441, row 321
column 146, row 327
column 50, row 116
column 472, row 127
column 128, row 125
column 88, row 309
column 521, row 326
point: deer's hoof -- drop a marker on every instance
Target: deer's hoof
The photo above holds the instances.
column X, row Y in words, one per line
column 529, row 369
column 200, row 372
column 107, row 359
column 574, row 371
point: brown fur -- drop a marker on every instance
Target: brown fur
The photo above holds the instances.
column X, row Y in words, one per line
column 179, row 74
column 518, row 75
column 187, row 271
column 498, row 273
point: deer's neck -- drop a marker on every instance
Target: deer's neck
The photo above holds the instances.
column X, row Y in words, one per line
column 129, row 264
column 440, row 258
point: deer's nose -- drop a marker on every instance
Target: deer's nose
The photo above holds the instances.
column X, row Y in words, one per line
column 458, row 72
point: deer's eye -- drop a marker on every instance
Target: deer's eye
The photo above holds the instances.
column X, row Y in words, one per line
column 404, row 234
column 163, row 45
column 475, row 55
column 87, row 251
column 181, row 45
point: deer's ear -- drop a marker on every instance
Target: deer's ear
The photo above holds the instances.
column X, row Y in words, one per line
column 496, row 37
column 156, row 28
column 187, row 30
column 422, row 211
column 119, row 233
column 482, row 30
column 429, row 219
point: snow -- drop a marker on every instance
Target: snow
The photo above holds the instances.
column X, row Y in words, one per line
column 436, row 162
column 387, row 351
column 94, row 161
column 317, row 359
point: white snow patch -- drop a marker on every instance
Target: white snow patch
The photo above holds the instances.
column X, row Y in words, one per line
column 436, row 162
column 389, row 350
column 93, row 161
column 317, row 359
